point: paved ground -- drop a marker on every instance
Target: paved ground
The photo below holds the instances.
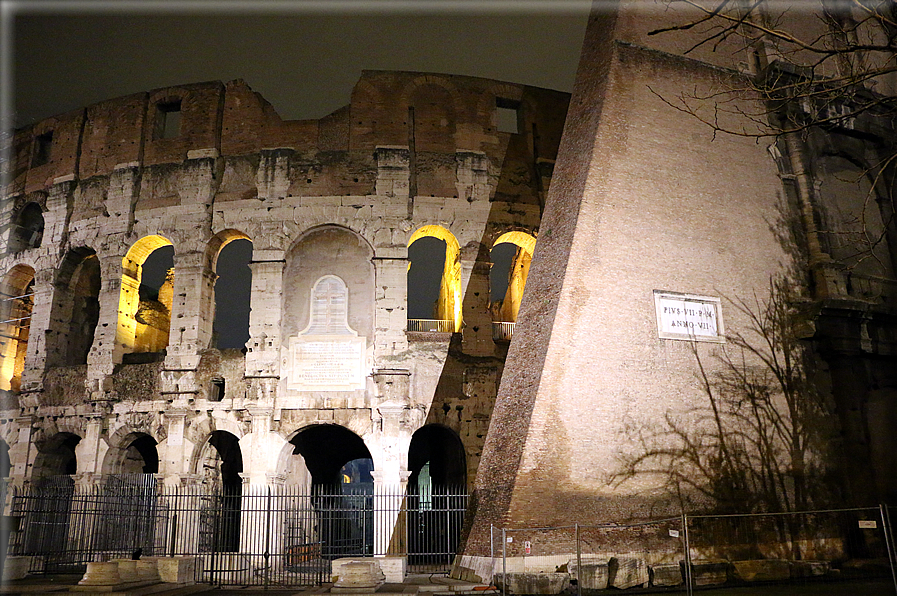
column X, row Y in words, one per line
column 437, row 585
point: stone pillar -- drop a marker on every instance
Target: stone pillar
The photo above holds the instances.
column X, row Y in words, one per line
column 106, row 350
column 391, row 439
column 263, row 347
column 273, row 175
column 472, row 175
column 35, row 356
column 391, row 303
column 477, row 337
column 174, row 457
column 393, row 171
column 191, row 324
column 91, row 450
column 59, row 201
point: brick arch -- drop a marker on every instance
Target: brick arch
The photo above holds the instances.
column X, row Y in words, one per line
column 305, row 233
column 130, row 336
column 432, row 79
column 218, row 242
column 289, row 449
column 199, row 433
column 18, row 281
column 449, row 303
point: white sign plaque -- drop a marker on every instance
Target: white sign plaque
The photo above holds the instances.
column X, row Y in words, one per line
column 327, row 363
column 688, row 317
column 327, row 355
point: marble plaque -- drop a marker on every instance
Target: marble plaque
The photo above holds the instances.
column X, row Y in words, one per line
column 688, row 317
column 327, row 355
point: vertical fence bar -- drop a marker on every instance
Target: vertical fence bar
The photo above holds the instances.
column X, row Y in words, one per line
column 578, row 563
column 886, row 526
column 689, row 587
column 267, row 556
column 504, row 562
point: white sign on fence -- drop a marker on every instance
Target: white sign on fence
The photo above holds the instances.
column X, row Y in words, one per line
column 868, row 524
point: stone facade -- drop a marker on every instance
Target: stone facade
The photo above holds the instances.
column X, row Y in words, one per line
column 102, row 375
column 646, row 198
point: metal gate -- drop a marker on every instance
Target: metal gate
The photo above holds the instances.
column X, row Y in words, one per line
column 271, row 536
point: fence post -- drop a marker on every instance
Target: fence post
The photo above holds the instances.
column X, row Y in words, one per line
column 578, row 563
column 504, row 562
column 174, row 533
column 688, row 575
column 886, row 526
column 267, row 556
column 492, row 543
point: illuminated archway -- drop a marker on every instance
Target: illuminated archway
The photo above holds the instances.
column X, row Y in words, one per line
column 17, row 294
column 143, row 325
column 446, row 312
column 512, row 254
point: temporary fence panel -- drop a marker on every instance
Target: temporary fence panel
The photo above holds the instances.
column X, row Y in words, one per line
column 258, row 536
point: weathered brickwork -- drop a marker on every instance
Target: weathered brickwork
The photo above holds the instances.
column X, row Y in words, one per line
column 100, row 363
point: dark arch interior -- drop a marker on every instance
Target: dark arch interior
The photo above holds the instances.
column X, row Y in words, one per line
column 228, row 448
column 57, row 456
column 85, row 289
column 29, row 228
column 4, row 459
column 145, row 446
column 232, row 293
column 326, row 449
column 442, row 449
column 502, row 256
column 427, row 256
column 227, row 523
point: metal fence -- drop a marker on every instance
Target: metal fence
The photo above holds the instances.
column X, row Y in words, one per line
column 851, row 546
column 282, row 535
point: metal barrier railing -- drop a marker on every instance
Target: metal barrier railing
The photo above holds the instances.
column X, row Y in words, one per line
column 502, row 331
column 431, row 325
column 855, row 546
column 260, row 535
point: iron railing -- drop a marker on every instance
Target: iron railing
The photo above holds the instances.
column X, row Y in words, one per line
column 502, row 331
column 278, row 535
column 854, row 546
column 431, row 325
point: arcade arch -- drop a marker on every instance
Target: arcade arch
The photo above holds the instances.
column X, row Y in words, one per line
column 56, row 457
column 17, row 296
column 434, row 303
column 77, row 306
column 231, row 254
column 220, row 466
column 436, row 458
column 144, row 314
column 326, row 449
column 135, row 453
column 511, row 254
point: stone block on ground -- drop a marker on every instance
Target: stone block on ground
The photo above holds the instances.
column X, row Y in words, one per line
column 594, row 574
column 802, row 569
column 709, row 572
column 627, row 572
column 532, row 583
column 177, row 570
column 357, row 575
column 393, row 567
column 16, row 568
column 666, row 574
column 762, row 570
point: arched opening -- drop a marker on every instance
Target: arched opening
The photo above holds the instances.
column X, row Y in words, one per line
column 511, row 256
column 221, row 466
column 79, row 305
column 437, row 488
column 17, row 302
column 50, row 513
column 56, row 457
column 232, row 292
column 434, row 281
column 138, row 455
column 343, row 510
column 27, row 228
column 147, row 290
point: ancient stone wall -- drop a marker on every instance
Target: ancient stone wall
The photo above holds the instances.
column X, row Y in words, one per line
column 330, row 207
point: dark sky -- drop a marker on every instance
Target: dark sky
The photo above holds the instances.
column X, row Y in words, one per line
column 304, row 57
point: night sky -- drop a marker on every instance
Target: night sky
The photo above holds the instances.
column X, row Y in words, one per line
column 303, row 57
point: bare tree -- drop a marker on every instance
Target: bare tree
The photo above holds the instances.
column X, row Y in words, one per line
column 760, row 441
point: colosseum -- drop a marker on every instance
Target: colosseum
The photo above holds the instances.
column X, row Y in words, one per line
column 198, row 292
